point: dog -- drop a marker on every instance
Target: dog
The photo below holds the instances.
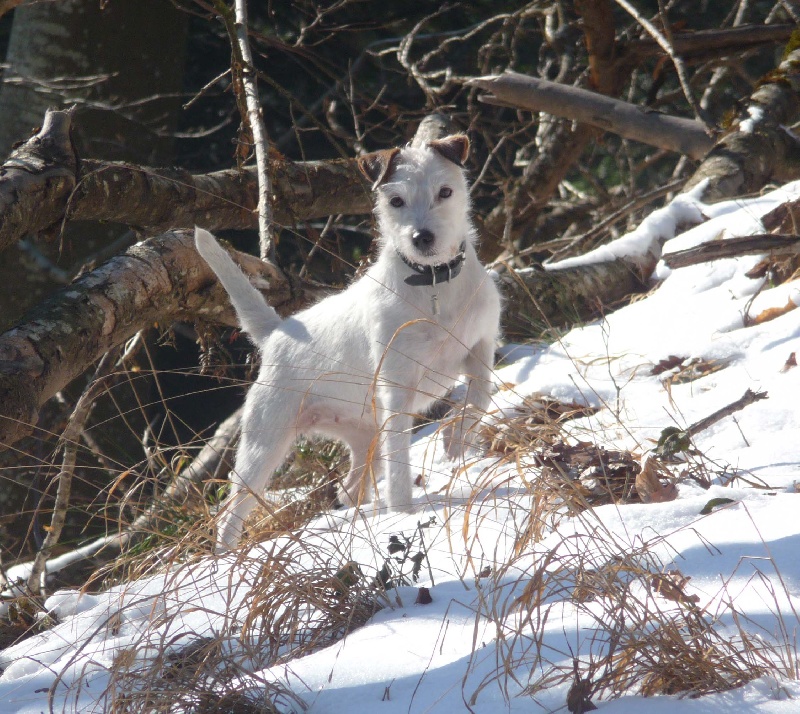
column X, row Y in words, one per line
column 359, row 365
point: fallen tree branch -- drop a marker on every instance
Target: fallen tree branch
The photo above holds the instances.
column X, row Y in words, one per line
column 717, row 42
column 674, row 440
column 537, row 300
column 684, row 136
column 43, row 184
column 732, row 248
column 160, row 280
column 36, row 180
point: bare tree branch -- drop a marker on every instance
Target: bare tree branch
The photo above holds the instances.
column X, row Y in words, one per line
column 213, row 462
column 665, row 42
column 684, row 136
column 256, row 121
column 716, row 42
column 733, row 248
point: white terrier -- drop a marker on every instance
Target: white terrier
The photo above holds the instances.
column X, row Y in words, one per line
column 360, row 364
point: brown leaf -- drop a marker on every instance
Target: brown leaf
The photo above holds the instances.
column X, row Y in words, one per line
column 791, row 361
column 423, row 597
column 671, row 586
column 664, row 365
column 772, row 312
column 648, row 483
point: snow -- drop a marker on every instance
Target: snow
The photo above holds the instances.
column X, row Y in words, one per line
column 482, row 640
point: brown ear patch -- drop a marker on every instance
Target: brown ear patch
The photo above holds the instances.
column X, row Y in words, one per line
column 454, row 148
column 378, row 166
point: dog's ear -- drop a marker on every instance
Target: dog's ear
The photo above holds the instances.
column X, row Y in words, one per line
column 454, row 148
column 378, row 166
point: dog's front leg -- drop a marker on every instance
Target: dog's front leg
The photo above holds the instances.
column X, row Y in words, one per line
column 395, row 423
column 461, row 431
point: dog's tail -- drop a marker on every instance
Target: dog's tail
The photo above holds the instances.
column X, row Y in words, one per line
column 256, row 317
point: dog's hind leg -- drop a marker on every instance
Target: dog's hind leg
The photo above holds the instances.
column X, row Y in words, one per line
column 356, row 488
column 260, row 452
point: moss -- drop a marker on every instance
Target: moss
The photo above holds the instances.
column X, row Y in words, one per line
column 792, row 45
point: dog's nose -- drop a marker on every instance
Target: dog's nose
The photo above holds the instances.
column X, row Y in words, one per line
column 422, row 239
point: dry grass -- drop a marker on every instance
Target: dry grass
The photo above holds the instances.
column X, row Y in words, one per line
column 644, row 631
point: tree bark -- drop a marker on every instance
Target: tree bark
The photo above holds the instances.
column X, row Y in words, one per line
column 770, row 243
column 702, row 43
column 160, row 280
column 760, row 148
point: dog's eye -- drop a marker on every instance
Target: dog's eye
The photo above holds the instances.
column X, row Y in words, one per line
column 397, row 202
column 445, row 192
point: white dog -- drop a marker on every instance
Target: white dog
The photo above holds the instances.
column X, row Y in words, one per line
column 360, row 364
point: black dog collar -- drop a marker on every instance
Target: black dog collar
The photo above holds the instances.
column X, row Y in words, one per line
column 434, row 274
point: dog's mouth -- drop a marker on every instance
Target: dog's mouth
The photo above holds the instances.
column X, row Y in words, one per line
column 427, row 255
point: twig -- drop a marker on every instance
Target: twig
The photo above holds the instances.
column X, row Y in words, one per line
column 718, row 41
column 747, row 399
column 70, row 438
column 580, row 243
column 214, row 461
column 666, row 45
column 732, row 248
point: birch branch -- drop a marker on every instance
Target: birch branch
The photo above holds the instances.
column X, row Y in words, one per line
column 256, row 120
column 759, row 148
column 43, row 184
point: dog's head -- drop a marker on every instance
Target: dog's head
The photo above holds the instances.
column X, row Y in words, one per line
column 422, row 201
